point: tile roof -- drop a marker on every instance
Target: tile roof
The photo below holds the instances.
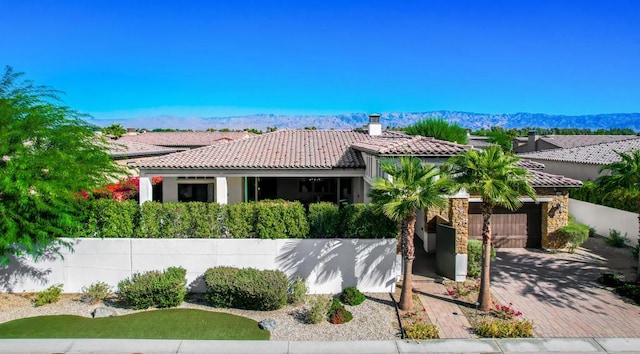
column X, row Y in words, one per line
column 400, row 144
column 303, row 149
column 530, row 165
column 571, row 141
column 185, row 139
column 134, row 149
column 479, row 141
column 541, row 179
column 600, row 154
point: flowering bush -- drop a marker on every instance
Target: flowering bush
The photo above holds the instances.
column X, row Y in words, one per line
column 505, row 312
column 126, row 188
column 463, row 289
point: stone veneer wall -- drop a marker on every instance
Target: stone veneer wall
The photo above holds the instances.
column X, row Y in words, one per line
column 459, row 218
column 555, row 213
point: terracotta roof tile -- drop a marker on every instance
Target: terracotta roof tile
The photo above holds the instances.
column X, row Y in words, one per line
column 408, row 145
column 541, row 179
column 185, row 139
column 531, row 165
column 134, row 149
column 600, row 154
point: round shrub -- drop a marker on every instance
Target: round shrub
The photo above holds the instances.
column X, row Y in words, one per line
column 338, row 314
column 154, row 288
column 352, row 296
column 419, row 330
column 570, row 236
column 296, row 291
column 95, row 292
column 474, row 258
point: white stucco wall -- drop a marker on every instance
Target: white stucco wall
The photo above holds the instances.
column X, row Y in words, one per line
column 169, row 189
column 603, row 219
column 328, row 265
column 235, row 190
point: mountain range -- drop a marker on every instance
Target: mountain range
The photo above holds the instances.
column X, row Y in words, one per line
column 468, row 120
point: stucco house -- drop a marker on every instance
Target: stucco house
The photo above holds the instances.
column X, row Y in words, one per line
column 183, row 140
column 583, row 162
column 534, row 142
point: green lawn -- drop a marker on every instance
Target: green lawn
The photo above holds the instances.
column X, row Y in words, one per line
column 158, row 324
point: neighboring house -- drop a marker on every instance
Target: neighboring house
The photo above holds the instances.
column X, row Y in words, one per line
column 124, row 152
column 184, row 140
column 338, row 166
column 534, row 142
column 479, row 142
column 583, row 162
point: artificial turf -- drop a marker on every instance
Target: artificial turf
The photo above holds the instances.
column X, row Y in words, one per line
column 157, row 324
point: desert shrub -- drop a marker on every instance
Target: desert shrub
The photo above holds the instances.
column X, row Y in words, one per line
column 317, row 311
column 362, row 221
column 352, row 296
column 592, row 231
column 615, row 239
column 474, row 258
column 324, row 220
column 500, row 328
column 95, row 292
column 108, row 218
column 505, row 312
column 240, row 220
column 48, row 295
column 154, row 288
column 570, row 236
column 246, row 288
column 418, row 330
column 337, row 313
column 609, row 279
column 296, row 291
column 632, row 291
column 280, row 219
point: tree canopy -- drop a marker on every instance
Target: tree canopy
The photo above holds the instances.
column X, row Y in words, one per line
column 114, row 129
column 48, row 155
column 438, row 128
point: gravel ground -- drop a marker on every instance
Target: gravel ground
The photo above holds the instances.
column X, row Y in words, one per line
column 374, row 319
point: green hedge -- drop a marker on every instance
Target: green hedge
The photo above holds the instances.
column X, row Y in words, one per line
column 474, row 258
column 268, row 219
column 246, row 288
column 154, row 288
column 623, row 199
column 570, row 236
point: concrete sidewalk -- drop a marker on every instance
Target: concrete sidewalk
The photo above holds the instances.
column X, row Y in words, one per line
column 537, row 345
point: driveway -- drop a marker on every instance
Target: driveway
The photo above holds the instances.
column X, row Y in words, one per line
column 559, row 292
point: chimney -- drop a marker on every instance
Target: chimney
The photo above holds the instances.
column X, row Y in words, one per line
column 375, row 128
column 531, row 142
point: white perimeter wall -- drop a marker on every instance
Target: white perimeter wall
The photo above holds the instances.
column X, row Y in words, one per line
column 328, row 265
column 603, row 219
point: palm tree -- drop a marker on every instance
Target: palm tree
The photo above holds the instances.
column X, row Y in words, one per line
column 413, row 185
column 492, row 175
column 625, row 174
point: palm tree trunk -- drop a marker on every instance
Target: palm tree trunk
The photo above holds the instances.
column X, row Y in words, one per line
column 484, row 298
column 409, row 254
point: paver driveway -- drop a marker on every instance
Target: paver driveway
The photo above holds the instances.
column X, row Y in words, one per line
column 559, row 293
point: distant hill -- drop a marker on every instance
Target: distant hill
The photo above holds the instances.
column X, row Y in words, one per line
column 469, row 120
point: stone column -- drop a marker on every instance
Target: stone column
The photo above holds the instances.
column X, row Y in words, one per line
column 555, row 214
column 145, row 192
column 459, row 219
column 221, row 190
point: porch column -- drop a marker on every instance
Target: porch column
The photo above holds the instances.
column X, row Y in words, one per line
column 221, row 190
column 555, row 214
column 459, row 219
column 145, row 192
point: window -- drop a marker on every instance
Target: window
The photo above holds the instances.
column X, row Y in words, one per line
column 197, row 192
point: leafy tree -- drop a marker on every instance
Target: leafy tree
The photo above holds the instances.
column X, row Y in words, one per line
column 624, row 174
column 492, row 175
column 438, row 128
column 504, row 139
column 114, row 129
column 413, row 185
column 48, row 155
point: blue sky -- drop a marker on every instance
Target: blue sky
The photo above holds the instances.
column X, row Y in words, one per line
column 122, row 59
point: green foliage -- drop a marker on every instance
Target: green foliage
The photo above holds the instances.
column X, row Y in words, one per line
column 362, row 221
column 154, row 288
column 49, row 295
column 474, row 258
column 337, row 313
column 571, row 236
column 438, row 128
column 635, row 252
column 296, row 291
column 48, row 154
column 619, row 198
column 418, row 330
column 615, row 239
column 504, row 139
column 324, row 220
column 317, row 311
column 610, row 279
column 109, row 218
column 241, row 220
column 352, row 296
column 114, row 129
column 500, row 328
column 632, row 291
column 246, row 288
column 95, row 292
column 180, row 220
column 592, row 231
column 280, row 219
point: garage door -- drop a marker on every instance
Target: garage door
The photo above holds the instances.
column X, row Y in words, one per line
column 510, row 229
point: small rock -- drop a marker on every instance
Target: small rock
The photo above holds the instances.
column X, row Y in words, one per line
column 103, row 312
column 268, row 324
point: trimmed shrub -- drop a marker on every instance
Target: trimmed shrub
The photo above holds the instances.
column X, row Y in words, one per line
column 337, row 313
column 361, row 221
column 474, row 258
column 109, row 218
column 246, row 288
column 570, row 236
column 280, row 219
column 154, row 288
column 49, row 295
column 419, row 330
column 317, row 312
column 95, row 292
column 623, row 199
column 179, row 220
column 241, row 220
column 352, row 296
column 296, row 291
column 324, row 220
column 499, row 328
column 615, row 239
